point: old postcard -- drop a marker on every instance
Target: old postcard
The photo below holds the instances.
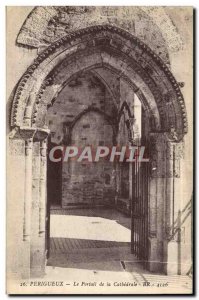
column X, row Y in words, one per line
column 99, row 150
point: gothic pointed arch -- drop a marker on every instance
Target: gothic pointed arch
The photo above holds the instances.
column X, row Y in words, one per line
column 108, row 47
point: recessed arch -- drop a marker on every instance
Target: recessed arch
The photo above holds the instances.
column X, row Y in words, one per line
column 91, row 109
column 109, row 47
column 48, row 90
column 90, row 70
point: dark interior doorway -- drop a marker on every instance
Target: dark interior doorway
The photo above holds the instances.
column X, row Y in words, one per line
column 54, row 179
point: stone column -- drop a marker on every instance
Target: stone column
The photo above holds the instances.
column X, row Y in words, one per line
column 43, row 187
column 39, row 210
column 19, row 147
column 165, row 204
column 157, row 183
column 172, row 241
column 27, row 135
column 28, row 189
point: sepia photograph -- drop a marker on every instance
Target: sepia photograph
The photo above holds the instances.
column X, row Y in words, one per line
column 99, row 154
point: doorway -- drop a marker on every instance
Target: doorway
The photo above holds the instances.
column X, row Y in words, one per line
column 129, row 62
column 93, row 211
column 54, row 179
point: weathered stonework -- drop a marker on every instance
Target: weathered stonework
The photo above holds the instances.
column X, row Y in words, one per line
column 145, row 23
column 127, row 65
column 83, row 92
column 92, row 65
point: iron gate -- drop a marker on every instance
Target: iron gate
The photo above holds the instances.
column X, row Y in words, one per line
column 139, row 210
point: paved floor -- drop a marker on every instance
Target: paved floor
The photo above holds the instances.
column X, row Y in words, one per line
column 64, row 245
column 92, row 246
column 89, row 235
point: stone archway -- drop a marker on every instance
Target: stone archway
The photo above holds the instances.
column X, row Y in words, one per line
column 164, row 107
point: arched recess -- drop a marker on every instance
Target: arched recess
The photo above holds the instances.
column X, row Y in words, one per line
column 69, row 127
column 134, row 62
column 109, row 47
column 92, row 127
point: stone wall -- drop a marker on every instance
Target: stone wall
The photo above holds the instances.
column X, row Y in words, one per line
column 167, row 27
column 84, row 183
column 89, row 183
column 84, row 91
column 151, row 24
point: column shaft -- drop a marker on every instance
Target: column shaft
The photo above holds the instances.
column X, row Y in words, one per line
column 28, row 189
column 42, row 201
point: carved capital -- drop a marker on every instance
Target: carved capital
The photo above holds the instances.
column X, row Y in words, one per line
column 27, row 133
column 165, row 156
column 172, row 135
column 152, row 234
column 41, row 134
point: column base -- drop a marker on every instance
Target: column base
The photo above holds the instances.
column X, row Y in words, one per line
column 38, row 258
column 155, row 255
